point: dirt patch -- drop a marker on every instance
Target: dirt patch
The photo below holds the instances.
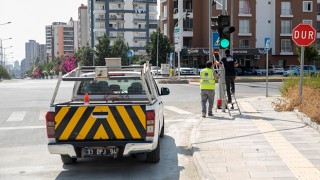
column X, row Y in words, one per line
column 310, row 105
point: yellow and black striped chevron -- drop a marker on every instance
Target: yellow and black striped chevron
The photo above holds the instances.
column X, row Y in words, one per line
column 78, row 123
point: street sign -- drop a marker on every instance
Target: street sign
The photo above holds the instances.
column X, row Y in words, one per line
column 215, row 40
column 177, row 39
column 303, row 34
column 266, row 44
column 129, row 54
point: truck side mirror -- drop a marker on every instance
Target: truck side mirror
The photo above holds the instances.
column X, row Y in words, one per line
column 165, row 91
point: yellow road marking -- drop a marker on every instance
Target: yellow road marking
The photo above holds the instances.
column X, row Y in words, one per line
column 300, row 166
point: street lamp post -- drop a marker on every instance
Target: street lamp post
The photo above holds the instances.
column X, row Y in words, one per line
column 1, row 49
column 4, row 55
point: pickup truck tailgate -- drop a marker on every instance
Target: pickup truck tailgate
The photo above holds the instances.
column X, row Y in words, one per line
column 116, row 122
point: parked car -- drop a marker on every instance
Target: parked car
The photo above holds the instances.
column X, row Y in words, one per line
column 155, row 70
column 296, row 71
column 259, row 71
column 247, row 70
column 288, row 67
column 187, row 71
column 239, row 71
column 273, row 69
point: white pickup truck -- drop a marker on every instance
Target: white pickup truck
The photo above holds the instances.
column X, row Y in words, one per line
column 113, row 112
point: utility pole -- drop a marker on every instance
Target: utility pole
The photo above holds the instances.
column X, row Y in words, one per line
column 210, row 31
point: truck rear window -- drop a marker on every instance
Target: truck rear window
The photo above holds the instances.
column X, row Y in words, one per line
column 111, row 86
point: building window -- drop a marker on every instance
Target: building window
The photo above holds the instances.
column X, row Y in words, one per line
column 307, row 6
column 286, row 45
column 244, row 43
column 244, row 26
column 219, row 4
column 286, row 27
column 307, row 21
column 286, row 8
column 318, row 9
column 165, row 13
column 165, row 29
column 318, row 26
column 244, row 7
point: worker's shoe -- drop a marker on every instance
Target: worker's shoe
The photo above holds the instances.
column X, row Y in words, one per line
column 210, row 114
column 203, row 114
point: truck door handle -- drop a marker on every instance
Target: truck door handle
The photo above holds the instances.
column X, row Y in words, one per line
column 100, row 115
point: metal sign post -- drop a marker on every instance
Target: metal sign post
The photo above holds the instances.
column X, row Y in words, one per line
column 301, row 74
column 303, row 35
column 266, row 50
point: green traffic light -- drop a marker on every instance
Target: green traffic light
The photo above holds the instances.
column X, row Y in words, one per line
column 224, row 43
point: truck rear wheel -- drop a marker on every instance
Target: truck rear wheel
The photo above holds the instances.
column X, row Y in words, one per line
column 66, row 159
column 154, row 156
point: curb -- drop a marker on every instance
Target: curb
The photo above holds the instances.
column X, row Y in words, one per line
column 307, row 120
column 202, row 169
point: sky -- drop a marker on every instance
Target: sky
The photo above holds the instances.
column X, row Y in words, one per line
column 28, row 20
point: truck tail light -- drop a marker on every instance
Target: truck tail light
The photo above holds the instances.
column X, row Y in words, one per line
column 50, row 124
column 150, row 116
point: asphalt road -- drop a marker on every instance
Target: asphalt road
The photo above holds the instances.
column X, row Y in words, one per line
column 24, row 154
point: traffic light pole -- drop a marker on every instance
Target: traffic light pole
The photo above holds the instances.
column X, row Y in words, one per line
column 210, row 31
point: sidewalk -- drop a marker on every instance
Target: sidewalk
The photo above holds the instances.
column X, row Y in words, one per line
column 258, row 144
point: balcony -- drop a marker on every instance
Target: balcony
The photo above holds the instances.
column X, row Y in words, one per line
column 139, row 38
column 286, row 13
column 116, row 1
column 139, row 1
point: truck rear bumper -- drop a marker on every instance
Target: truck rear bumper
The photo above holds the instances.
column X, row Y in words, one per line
column 66, row 148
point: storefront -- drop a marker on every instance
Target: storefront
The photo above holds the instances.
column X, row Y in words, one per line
column 251, row 57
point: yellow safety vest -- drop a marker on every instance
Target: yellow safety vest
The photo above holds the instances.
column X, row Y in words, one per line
column 207, row 80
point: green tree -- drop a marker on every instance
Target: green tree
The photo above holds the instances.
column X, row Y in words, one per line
column 85, row 55
column 120, row 49
column 310, row 54
column 103, row 50
column 164, row 48
column 3, row 73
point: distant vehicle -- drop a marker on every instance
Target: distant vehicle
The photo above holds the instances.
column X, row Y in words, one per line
column 273, row 69
column 258, row 71
column 155, row 70
column 239, row 71
column 288, row 67
column 187, row 71
column 296, row 71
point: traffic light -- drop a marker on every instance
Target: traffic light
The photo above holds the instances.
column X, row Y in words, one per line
column 224, row 30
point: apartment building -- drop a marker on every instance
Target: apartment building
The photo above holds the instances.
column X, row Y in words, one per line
column 254, row 21
column 132, row 20
column 83, row 28
column 61, row 38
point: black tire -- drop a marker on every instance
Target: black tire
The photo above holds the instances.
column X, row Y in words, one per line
column 66, row 159
column 162, row 130
column 154, row 156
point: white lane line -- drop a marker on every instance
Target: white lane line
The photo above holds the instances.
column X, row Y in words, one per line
column 177, row 110
column 42, row 115
column 17, row 116
column 21, row 128
column 300, row 166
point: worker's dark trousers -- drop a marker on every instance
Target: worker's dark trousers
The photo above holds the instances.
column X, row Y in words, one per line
column 230, row 83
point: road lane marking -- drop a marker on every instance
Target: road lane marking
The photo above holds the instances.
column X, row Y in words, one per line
column 17, row 116
column 300, row 166
column 21, row 128
column 42, row 115
column 177, row 110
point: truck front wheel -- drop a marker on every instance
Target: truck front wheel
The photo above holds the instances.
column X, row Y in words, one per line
column 66, row 159
column 154, row 156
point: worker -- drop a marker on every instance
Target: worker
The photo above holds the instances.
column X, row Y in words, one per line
column 207, row 87
column 229, row 63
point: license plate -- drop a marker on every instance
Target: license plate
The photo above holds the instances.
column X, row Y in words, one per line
column 100, row 151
